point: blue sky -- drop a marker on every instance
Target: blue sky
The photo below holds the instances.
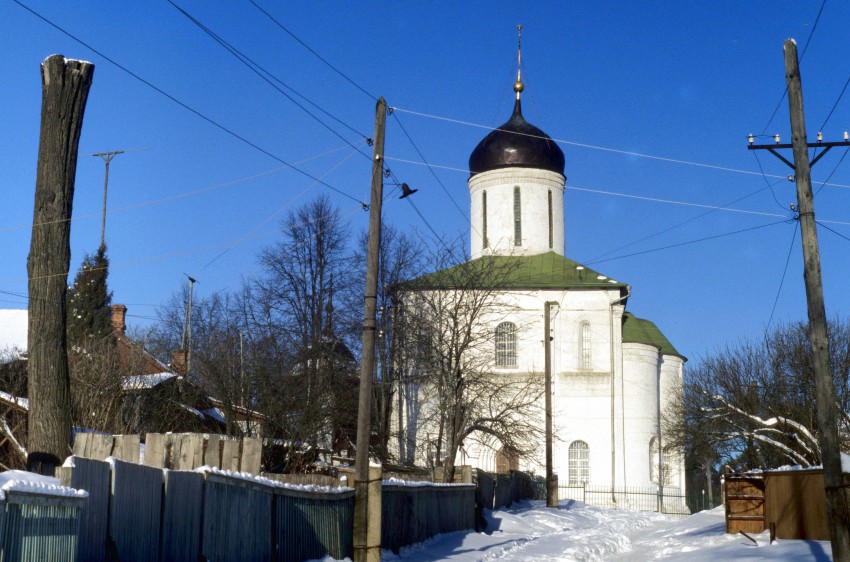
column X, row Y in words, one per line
column 652, row 100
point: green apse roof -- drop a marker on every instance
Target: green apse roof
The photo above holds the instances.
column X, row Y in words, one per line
column 638, row 330
column 540, row 271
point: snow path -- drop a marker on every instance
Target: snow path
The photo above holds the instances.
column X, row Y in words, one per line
column 578, row 532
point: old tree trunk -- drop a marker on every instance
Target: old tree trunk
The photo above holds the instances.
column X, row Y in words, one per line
column 65, row 88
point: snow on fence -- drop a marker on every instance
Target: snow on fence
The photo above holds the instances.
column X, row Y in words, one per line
column 35, row 526
column 144, row 513
column 673, row 501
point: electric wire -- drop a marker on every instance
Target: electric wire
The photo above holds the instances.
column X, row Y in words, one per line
column 832, row 230
column 802, row 55
column 185, row 106
column 688, row 242
column 769, row 185
column 784, row 273
column 586, row 145
column 831, row 111
column 270, row 78
column 317, row 55
column 683, row 223
column 175, row 197
column 430, row 169
column 835, row 169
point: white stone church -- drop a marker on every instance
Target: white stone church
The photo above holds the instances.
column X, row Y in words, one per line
column 612, row 373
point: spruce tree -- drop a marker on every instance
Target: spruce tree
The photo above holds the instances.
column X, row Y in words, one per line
column 89, row 303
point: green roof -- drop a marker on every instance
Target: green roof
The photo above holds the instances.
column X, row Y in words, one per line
column 540, row 271
column 638, row 330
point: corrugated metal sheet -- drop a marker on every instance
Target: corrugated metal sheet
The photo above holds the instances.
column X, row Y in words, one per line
column 413, row 514
column 37, row 528
column 237, row 520
column 312, row 525
column 182, row 516
column 486, row 489
column 134, row 512
column 94, row 477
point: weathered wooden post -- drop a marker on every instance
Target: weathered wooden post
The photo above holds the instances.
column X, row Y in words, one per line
column 65, row 88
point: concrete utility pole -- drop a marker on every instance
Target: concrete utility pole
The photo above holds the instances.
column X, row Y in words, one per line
column 367, row 503
column 836, row 491
column 551, row 481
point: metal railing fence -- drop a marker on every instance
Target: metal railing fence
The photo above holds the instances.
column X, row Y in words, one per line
column 673, row 501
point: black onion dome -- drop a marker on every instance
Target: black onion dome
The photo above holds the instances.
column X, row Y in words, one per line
column 516, row 144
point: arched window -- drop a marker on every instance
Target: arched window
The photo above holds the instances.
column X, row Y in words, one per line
column 506, row 345
column 579, row 463
column 484, row 217
column 551, row 226
column 585, row 349
column 517, row 218
column 654, row 464
column 506, row 460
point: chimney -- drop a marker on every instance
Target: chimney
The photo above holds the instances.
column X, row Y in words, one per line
column 119, row 311
column 178, row 361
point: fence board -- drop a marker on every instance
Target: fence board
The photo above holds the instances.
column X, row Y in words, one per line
column 412, row 514
column 188, row 451
column 311, row 525
column 212, row 454
column 252, row 454
column 155, row 450
column 96, row 446
column 237, row 520
column 134, row 513
column 126, row 448
column 182, row 516
column 230, row 455
column 94, row 477
column 36, row 527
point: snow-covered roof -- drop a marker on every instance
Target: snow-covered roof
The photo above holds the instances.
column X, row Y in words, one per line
column 15, row 400
column 144, row 382
column 13, row 331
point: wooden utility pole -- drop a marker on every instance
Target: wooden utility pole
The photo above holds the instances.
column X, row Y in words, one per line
column 551, row 482
column 192, row 282
column 107, row 158
column 367, row 503
column 836, row 493
column 65, row 88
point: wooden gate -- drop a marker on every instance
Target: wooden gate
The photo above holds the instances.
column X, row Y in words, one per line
column 744, row 504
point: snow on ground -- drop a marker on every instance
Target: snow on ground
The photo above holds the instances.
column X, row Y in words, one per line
column 529, row 531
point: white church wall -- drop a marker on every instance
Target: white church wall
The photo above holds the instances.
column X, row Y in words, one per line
column 534, row 186
column 640, row 408
column 672, row 370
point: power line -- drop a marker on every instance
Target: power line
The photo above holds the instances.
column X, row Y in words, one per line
column 688, row 242
column 683, row 223
column 430, row 169
column 585, row 145
column 805, row 48
column 784, row 272
column 182, row 104
column 265, row 74
column 833, row 231
column 841, row 95
column 317, row 55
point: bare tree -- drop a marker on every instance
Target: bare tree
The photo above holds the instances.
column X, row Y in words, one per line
column 753, row 405
column 401, row 258
column 449, row 320
column 304, row 335
column 65, row 87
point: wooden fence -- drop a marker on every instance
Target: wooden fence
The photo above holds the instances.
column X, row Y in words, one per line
column 744, row 505
column 177, row 451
